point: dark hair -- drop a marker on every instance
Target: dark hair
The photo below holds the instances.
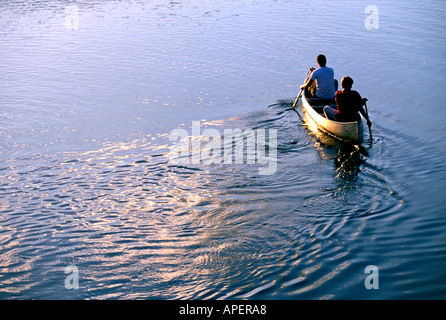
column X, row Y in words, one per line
column 347, row 82
column 321, row 60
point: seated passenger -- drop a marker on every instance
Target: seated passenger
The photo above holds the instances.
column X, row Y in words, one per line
column 349, row 103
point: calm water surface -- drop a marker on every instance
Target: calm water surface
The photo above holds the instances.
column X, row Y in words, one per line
column 91, row 90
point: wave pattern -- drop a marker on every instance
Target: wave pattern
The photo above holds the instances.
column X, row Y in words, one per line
column 138, row 226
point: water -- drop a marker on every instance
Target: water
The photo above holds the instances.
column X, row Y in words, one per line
column 91, row 90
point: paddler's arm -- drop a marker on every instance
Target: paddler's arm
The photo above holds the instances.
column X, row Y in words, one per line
column 309, row 80
column 364, row 114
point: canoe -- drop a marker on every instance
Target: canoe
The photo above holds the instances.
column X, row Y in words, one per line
column 313, row 114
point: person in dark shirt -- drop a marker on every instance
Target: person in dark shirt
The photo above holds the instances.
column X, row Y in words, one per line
column 349, row 103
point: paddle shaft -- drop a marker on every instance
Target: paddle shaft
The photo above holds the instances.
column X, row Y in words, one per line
column 302, row 89
column 298, row 96
column 367, row 114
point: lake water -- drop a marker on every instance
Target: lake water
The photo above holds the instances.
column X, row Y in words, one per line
column 90, row 92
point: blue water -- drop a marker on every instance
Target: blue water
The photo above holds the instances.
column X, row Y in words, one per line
column 91, row 90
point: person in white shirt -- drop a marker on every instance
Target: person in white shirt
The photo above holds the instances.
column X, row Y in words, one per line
column 321, row 83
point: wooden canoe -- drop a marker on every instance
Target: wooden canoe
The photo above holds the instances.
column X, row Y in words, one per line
column 313, row 114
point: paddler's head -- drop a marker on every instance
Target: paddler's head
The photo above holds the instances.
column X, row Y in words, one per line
column 346, row 83
column 321, row 60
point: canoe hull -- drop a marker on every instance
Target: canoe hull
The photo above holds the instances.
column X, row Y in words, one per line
column 350, row 131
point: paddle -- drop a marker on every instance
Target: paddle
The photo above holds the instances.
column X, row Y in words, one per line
column 301, row 89
column 367, row 114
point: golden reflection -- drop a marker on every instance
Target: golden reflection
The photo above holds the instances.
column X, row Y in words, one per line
column 220, row 122
column 128, row 194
